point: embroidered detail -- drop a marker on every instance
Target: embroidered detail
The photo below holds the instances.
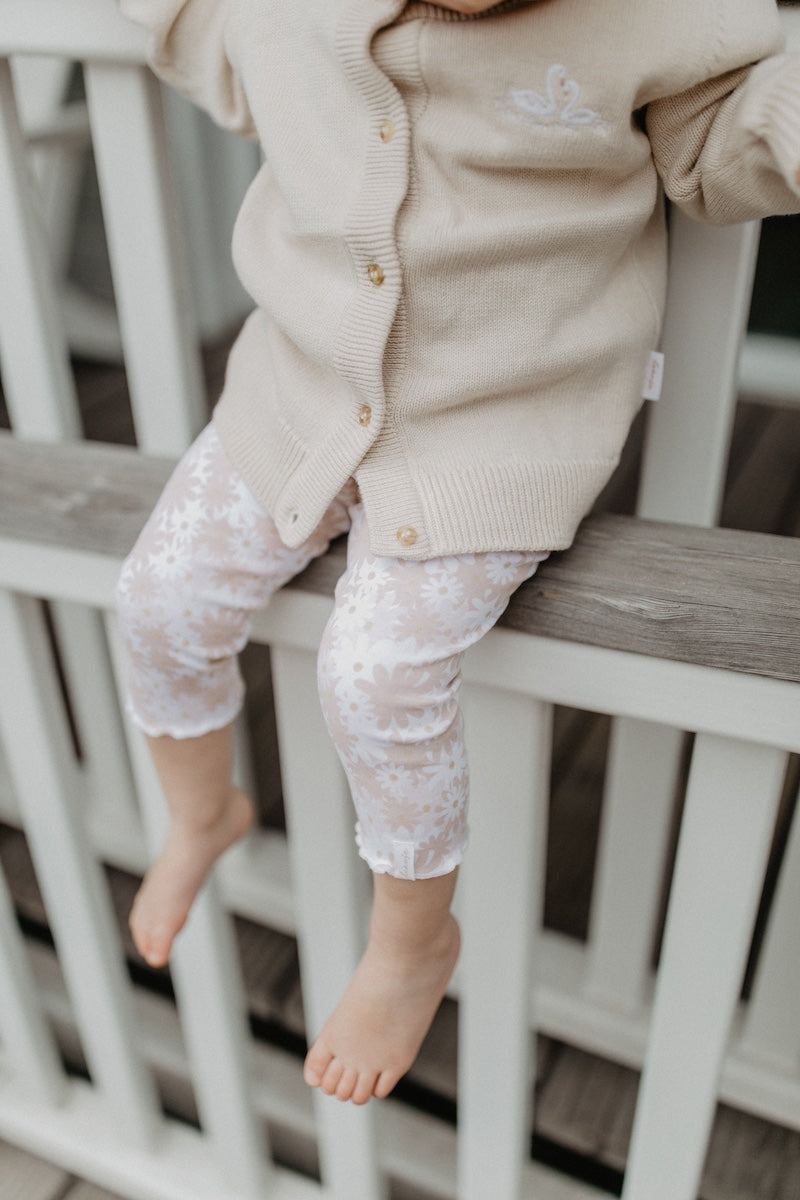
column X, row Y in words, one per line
column 558, row 106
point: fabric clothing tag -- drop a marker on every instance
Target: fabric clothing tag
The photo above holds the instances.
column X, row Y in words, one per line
column 403, row 853
column 653, row 376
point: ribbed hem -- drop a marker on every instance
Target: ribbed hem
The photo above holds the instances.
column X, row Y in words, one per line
column 382, row 863
column 477, row 509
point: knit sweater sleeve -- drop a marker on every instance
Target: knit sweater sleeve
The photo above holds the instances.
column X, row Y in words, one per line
column 728, row 149
column 187, row 48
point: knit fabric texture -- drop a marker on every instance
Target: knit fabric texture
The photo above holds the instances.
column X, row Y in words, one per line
column 456, row 246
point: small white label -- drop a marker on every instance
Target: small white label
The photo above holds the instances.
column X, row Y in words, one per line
column 653, row 376
column 403, row 860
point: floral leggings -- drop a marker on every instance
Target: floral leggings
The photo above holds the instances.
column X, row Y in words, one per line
column 389, row 663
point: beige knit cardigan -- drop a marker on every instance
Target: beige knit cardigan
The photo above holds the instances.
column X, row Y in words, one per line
column 456, row 246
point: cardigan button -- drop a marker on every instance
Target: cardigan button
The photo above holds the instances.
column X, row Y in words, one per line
column 364, row 415
column 386, row 131
column 376, row 274
column 407, row 536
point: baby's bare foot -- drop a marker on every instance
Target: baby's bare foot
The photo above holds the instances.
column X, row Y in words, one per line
column 169, row 888
column 375, row 1034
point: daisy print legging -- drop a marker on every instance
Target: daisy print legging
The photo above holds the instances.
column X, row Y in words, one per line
column 389, row 663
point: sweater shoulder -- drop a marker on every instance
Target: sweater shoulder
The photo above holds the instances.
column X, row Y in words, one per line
column 685, row 44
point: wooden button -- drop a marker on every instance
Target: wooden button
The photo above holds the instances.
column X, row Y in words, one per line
column 407, row 535
column 376, row 274
column 364, row 415
column 387, row 130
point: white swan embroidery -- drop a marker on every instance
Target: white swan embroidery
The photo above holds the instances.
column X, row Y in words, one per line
column 559, row 105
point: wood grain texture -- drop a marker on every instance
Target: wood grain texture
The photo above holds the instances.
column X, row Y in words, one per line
column 715, row 597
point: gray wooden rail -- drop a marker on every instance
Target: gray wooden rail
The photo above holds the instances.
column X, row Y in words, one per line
column 713, row 597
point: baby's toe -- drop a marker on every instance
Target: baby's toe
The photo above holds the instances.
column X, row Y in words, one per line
column 317, row 1062
column 347, row 1083
column 364, row 1087
column 384, row 1084
column 330, row 1080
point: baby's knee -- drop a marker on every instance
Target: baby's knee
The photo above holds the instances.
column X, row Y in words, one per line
column 129, row 597
column 150, row 609
column 373, row 699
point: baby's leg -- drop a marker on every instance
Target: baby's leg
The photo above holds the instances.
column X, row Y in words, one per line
column 207, row 815
column 377, row 1029
column 389, row 679
column 207, row 559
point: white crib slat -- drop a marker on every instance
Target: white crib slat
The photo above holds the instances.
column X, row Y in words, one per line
column 84, row 654
column 688, row 436
column 208, row 989
column 40, row 761
column 210, row 996
column 227, row 166
column 330, row 918
column 90, row 28
column 37, row 380
column 639, row 798
column 509, row 738
column 771, row 1031
column 731, row 804
column 153, row 297
column 26, row 1041
column 43, row 405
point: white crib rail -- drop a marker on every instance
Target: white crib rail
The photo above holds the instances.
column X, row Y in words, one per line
column 745, row 725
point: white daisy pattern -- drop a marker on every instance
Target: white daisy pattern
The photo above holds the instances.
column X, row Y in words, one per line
column 389, row 663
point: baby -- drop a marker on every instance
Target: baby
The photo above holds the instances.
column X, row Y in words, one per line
column 456, row 251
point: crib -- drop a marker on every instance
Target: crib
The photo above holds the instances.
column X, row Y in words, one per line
column 663, row 621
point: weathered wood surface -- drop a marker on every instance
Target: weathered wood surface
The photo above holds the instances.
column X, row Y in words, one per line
column 714, row 597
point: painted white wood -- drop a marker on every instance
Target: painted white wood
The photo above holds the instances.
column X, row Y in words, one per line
column 639, row 797
column 688, row 436
column 683, row 471
column 86, row 29
column 58, row 138
column 42, row 403
column 93, row 698
column 329, row 901
column 412, row 1148
column 731, row 803
column 83, row 1137
column 769, row 368
column 580, row 676
column 695, row 698
column 227, row 165
column 28, row 1044
column 510, row 739
column 207, row 981
column 40, row 760
column 37, row 380
column 771, row 1032
column 151, row 286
